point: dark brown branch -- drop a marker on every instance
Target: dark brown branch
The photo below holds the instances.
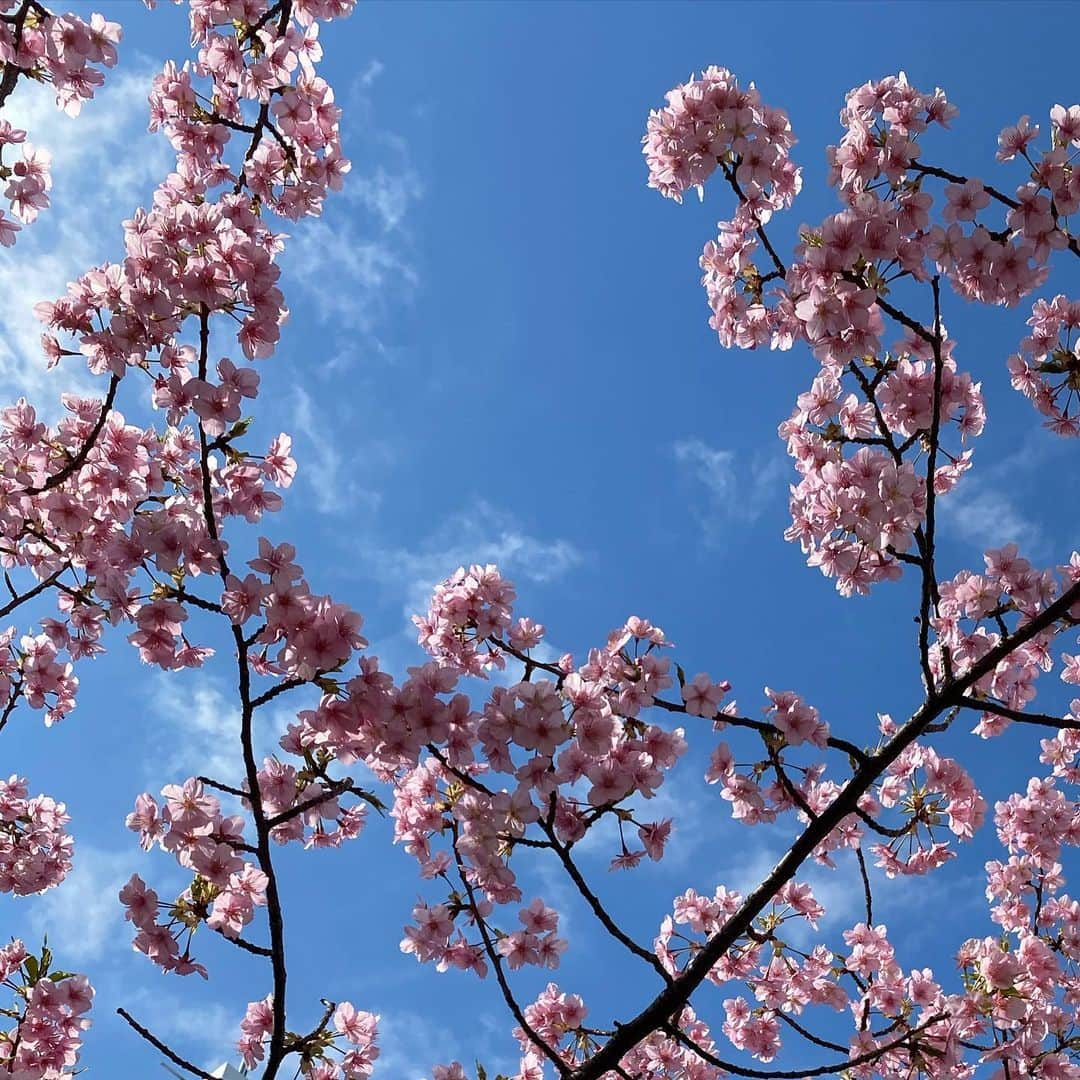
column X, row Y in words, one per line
column 82, row 453
column 279, row 688
column 226, row 788
column 867, row 893
column 9, row 708
column 994, row 193
column 154, row 1041
column 39, row 588
column 17, row 21
column 598, row 909
column 496, row 962
column 956, row 178
column 808, row 1035
column 729, row 175
column 674, row 997
column 299, row 1045
column 195, row 601
column 241, row 943
column 798, row 1074
column 764, row 729
column 1021, row 717
column 339, row 787
column 930, row 594
column 274, row 916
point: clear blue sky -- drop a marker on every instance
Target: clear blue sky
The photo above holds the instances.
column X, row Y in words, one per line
column 498, row 346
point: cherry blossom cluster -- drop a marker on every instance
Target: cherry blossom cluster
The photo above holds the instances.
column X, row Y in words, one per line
column 435, row 937
column 94, row 503
column 882, row 122
column 35, row 849
column 753, row 801
column 1026, row 980
column 709, row 122
column 885, row 233
column 927, row 790
column 904, row 1020
column 933, row 792
column 128, row 502
column 49, row 1015
column 1052, row 190
column 304, row 806
column 314, row 633
column 225, row 889
column 465, row 611
column 191, row 258
column 879, row 153
column 33, row 671
column 971, row 620
column 59, row 49
column 184, row 257
column 1046, row 370
column 29, row 181
column 260, row 83
column 855, row 440
column 575, row 748
column 348, row 1051
column 1036, row 824
column 1024, row 983
column 64, row 50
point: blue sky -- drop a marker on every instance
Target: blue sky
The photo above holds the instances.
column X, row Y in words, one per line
column 498, row 351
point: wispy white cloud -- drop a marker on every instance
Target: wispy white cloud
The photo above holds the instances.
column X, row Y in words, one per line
column 383, row 179
column 713, row 468
column 198, row 730
column 984, row 514
column 325, row 471
column 409, row 1045
column 480, row 534
column 388, row 194
column 731, row 488
column 350, row 278
column 374, row 69
column 83, row 917
column 357, row 265
column 104, row 165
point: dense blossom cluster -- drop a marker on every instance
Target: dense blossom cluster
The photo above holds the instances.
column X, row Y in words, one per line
column 49, row 1016
column 1047, row 368
column 905, row 1019
column 968, row 627
column 224, row 891
column 709, row 122
column 67, row 52
column 348, row 1052
column 855, row 439
column 831, row 297
column 35, row 849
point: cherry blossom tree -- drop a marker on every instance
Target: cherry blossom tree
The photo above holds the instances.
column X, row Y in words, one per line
column 142, row 532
